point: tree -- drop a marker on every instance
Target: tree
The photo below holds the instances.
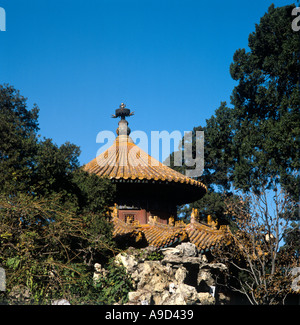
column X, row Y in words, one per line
column 53, row 168
column 260, row 266
column 218, row 164
column 266, row 110
column 49, row 250
column 40, row 168
column 54, row 217
column 266, row 105
column 93, row 193
column 252, row 161
column 254, row 145
column 18, row 140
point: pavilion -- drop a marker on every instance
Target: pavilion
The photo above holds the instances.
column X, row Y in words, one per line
column 147, row 195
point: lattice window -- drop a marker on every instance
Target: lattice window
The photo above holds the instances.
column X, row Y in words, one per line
column 129, row 218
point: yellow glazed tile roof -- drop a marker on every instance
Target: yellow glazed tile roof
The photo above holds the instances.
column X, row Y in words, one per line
column 204, row 236
column 122, row 229
column 125, row 160
column 159, row 235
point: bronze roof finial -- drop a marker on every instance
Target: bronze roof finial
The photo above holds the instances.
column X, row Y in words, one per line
column 122, row 112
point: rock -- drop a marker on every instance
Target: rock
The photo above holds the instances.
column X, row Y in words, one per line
column 20, row 293
column 98, row 267
column 170, row 250
column 167, row 298
column 220, row 267
column 63, row 302
column 136, row 275
column 128, row 261
column 207, row 273
column 172, row 287
column 203, row 258
column 182, row 277
column 187, row 249
column 180, row 274
column 175, row 299
column 183, row 253
column 182, row 295
column 206, row 298
column 99, row 272
column 2, row 279
column 188, row 293
column 180, row 260
column 155, row 276
column 182, row 250
column 141, row 297
column 295, row 285
column 96, row 277
column 223, row 299
column 205, row 278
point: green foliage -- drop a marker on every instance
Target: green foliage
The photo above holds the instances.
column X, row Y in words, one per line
column 18, row 130
column 49, row 249
column 53, row 168
column 114, row 285
column 266, row 105
column 219, row 155
column 219, row 164
column 155, row 256
column 93, row 193
column 54, row 217
column 254, row 145
column 40, row 167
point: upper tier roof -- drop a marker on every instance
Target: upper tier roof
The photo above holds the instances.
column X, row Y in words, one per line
column 125, row 160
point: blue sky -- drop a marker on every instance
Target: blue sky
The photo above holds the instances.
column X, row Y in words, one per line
column 168, row 60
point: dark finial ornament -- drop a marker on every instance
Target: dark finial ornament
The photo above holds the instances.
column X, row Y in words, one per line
column 122, row 112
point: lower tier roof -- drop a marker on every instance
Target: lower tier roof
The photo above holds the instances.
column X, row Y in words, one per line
column 159, row 235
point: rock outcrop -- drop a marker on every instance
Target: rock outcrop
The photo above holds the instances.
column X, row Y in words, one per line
column 180, row 277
